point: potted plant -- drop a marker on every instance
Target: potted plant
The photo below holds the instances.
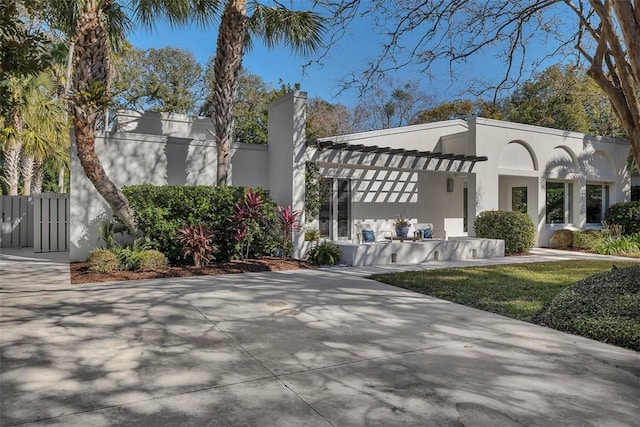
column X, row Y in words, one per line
column 402, row 226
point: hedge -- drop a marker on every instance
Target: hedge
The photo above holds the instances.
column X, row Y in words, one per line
column 515, row 228
column 604, row 306
column 161, row 210
column 625, row 214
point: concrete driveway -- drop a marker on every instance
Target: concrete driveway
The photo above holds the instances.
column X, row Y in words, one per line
column 302, row 348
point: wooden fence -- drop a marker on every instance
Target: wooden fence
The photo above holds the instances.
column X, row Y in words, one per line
column 40, row 221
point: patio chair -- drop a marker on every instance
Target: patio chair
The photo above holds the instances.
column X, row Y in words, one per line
column 425, row 231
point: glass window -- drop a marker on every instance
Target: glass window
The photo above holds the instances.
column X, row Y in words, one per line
column 465, row 209
column 559, row 205
column 555, row 202
column 594, row 204
column 343, row 207
column 325, row 213
column 519, row 199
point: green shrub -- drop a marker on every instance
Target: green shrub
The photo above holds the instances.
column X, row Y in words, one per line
column 102, row 261
column 625, row 214
column 515, row 228
column 604, row 306
column 311, row 235
column 151, row 259
column 161, row 210
column 561, row 239
column 617, row 245
column 586, row 239
column 325, row 253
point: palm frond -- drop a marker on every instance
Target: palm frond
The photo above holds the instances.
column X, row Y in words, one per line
column 176, row 12
column 302, row 31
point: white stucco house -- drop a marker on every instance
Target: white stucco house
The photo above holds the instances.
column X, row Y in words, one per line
column 443, row 174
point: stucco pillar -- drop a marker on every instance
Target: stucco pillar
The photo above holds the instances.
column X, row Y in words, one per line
column 286, row 156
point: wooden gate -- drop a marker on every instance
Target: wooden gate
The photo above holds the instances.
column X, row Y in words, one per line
column 40, row 221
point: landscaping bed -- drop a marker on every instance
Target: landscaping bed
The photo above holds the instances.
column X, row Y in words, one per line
column 81, row 274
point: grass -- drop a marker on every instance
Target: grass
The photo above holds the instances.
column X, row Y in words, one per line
column 519, row 291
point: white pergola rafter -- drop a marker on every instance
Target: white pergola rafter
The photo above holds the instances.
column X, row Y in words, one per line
column 360, row 155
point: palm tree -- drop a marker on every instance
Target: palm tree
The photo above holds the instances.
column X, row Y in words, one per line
column 95, row 23
column 300, row 30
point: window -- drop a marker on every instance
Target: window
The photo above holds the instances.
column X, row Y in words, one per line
column 335, row 213
column 519, row 199
column 559, row 206
column 597, row 202
column 465, row 209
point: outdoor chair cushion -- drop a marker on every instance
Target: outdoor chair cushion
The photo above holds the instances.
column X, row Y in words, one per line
column 368, row 236
column 424, row 233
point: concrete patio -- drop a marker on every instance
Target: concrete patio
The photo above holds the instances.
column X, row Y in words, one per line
column 322, row 347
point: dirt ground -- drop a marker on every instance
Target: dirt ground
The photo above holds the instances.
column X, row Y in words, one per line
column 81, row 274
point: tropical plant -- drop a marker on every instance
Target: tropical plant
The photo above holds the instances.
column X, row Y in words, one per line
column 107, row 233
column 289, row 221
column 300, row 30
column 196, row 243
column 401, row 222
column 326, row 253
column 33, row 131
column 249, row 218
column 311, row 235
column 611, row 245
column 91, row 24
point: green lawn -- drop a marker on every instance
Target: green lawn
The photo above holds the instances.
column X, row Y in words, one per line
column 515, row 290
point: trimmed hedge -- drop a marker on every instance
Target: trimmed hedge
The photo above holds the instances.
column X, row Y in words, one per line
column 102, row 261
column 586, row 239
column 515, row 228
column 561, row 239
column 161, row 210
column 625, row 214
column 604, row 306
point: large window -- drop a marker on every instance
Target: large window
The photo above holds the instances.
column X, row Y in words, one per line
column 597, row 202
column 559, row 205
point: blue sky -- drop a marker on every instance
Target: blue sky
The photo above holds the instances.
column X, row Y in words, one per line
column 348, row 56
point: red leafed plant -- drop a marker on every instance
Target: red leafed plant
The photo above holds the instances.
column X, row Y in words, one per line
column 289, row 221
column 196, row 243
column 248, row 217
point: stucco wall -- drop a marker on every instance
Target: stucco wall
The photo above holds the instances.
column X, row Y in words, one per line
column 134, row 158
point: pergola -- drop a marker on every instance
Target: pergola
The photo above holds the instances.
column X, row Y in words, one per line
column 328, row 151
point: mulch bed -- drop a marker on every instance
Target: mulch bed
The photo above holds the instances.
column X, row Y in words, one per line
column 81, row 274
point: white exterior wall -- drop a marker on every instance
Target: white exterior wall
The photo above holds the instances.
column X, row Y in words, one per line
column 134, row 158
column 286, row 156
column 555, row 154
column 174, row 149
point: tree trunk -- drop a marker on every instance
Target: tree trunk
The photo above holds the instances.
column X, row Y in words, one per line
column 61, row 174
column 27, row 168
column 89, row 99
column 38, row 175
column 11, row 166
column 232, row 35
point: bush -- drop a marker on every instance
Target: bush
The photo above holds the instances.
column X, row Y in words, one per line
column 196, row 244
column 102, row 261
column 586, row 239
column 161, row 210
column 604, row 306
column 617, row 245
column 625, row 214
column 515, row 228
column 326, row 253
column 151, row 259
column 561, row 239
